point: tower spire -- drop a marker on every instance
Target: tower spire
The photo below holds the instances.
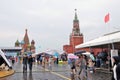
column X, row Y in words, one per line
column 26, row 39
column 25, row 30
column 76, row 29
column 75, row 15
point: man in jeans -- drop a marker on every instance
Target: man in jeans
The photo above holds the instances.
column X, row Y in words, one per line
column 30, row 62
column 25, row 60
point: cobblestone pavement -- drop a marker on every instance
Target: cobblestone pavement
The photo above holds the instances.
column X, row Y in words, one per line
column 59, row 72
column 102, row 76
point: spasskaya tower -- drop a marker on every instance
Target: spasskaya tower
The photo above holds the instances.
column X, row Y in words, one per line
column 75, row 37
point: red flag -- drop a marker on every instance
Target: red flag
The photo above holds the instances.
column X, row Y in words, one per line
column 106, row 19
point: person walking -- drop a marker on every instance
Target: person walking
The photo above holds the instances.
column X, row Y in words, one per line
column 73, row 69
column 50, row 62
column 40, row 59
column 25, row 60
column 13, row 60
column 30, row 62
column 90, row 69
column 79, row 61
column 83, row 74
column 43, row 61
column 115, row 73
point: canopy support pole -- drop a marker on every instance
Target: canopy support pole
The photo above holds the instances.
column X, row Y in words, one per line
column 113, row 46
column 109, row 57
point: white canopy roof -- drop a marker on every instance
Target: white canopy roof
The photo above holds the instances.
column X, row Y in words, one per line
column 52, row 51
column 106, row 39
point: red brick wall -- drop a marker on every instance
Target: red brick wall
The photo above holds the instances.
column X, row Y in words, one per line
column 75, row 40
column 68, row 48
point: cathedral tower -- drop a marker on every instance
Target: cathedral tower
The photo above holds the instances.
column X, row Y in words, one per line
column 26, row 40
column 17, row 44
column 33, row 46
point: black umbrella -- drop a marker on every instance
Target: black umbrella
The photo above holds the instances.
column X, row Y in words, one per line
column 79, row 52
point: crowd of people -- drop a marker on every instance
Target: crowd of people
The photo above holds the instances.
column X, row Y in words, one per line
column 50, row 59
column 85, row 68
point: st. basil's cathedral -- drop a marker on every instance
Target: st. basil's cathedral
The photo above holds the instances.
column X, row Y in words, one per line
column 25, row 44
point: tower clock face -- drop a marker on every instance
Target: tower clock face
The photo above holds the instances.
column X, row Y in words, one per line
column 76, row 25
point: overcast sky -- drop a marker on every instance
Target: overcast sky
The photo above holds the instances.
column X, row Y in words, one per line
column 50, row 22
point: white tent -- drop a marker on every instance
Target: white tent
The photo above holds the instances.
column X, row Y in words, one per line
column 51, row 51
column 106, row 39
column 3, row 56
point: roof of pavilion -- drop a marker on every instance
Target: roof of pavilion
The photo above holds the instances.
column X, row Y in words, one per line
column 110, row 38
column 11, row 48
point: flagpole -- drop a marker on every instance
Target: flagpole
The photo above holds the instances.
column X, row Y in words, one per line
column 112, row 45
column 106, row 20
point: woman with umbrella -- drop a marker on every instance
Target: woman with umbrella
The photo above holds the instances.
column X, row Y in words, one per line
column 90, row 65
